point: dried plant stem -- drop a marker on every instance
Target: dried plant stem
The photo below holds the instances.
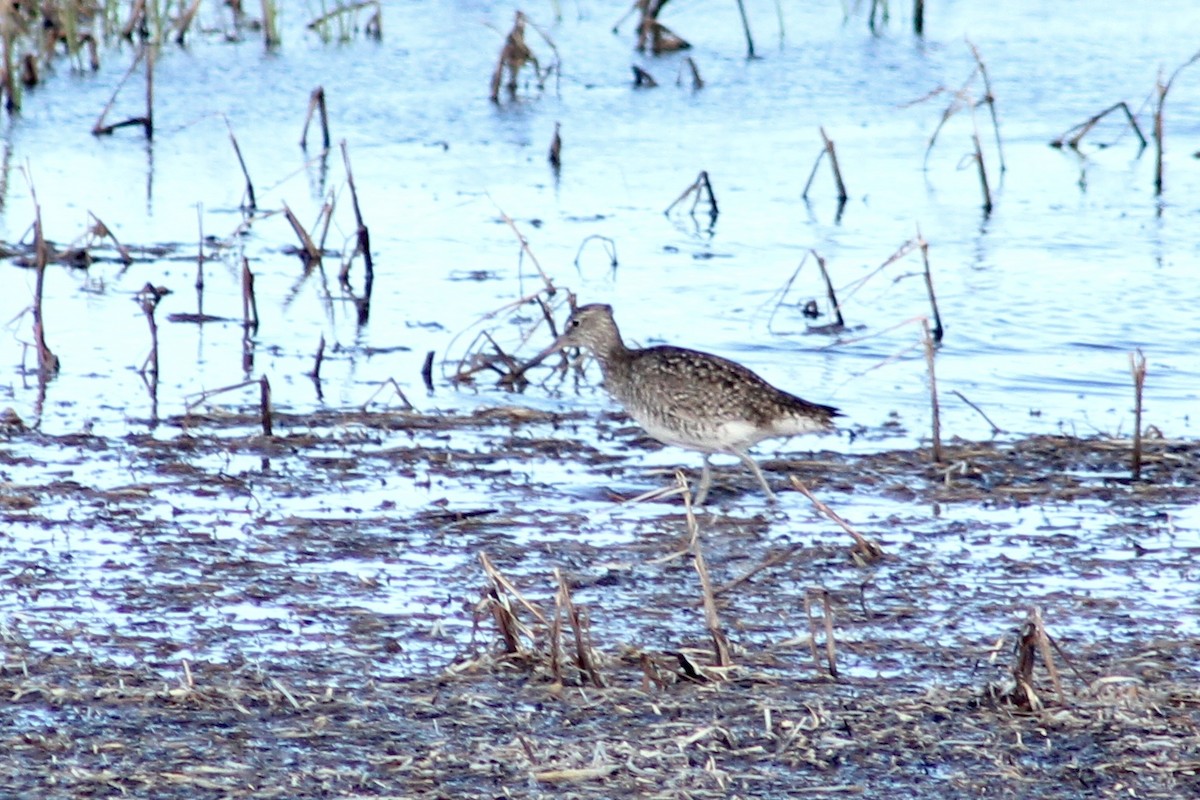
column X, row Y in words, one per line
column 1161, row 90
column 1033, row 640
column 701, row 188
column 526, row 250
column 938, row 330
column 309, row 251
column 827, row 615
column 363, row 235
column 501, row 582
column 697, row 81
column 427, row 372
column 1137, row 366
column 316, row 102
column 983, row 178
column 867, row 549
column 145, row 52
column 827, row 150
column 919, row 17
column 583, row 650
column 833, row 301
column 250, row 202
column 930, row 352
column 746, row 29
column 1083, row 128
column 249, row 302
column 148, row 298
column 712, row 619
column 990, row 100
column 48, row 364
column 643, row 78
column 264, row 386
column 996, row 429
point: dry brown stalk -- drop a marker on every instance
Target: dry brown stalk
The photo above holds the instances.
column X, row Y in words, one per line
column 839, row 322
column 583, row 650
column 185, row 21
column 309, row 251
column 249, row 302
column 148, row 298
column 938, row 329
column 316, row 103
column 1161, row 90
column 265, row 404
column 363, row 235
column 1033, row 639
column 102, row 231
column 526, row 250
column 1083, row 128
column 700, row 189
column 1137, row 366
column 504, row 583
column 930, row 352
column 990, row 99
column 867, row 549
column 643, row 78
column 48, row 363
column 983, row 178
column 919, row 17
column 249, row 202
column 372, row 26
column 513, row 56
column 827, row 615
column 827, row 150
column 712, row 619
column 697, row 81
column 652, row 34
column 399, row 393
column 144, row 53
column 996, row 429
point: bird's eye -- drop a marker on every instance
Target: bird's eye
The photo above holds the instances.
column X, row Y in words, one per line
column 574, row 323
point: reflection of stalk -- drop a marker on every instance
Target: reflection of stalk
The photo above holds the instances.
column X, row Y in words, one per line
column 10, row 85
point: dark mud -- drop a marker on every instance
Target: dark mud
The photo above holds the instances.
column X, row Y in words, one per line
column 251, row 616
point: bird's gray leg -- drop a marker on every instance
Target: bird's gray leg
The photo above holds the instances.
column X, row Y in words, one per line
column 705, row 483
column 749, row 462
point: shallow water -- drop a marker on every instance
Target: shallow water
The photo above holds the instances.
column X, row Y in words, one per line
column 1043, row 299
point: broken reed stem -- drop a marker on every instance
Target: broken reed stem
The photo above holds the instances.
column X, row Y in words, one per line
column 701, row 187
column 501, row 582
column 316, row 102
column 938, row 330
column 827, row 150
column 48, row 363
column 148, row 298
column 270, row 23
column 100, row 128
column 697, row 81
column 264, row 399
column 990, row 100
column 833, row 301
column 643, row 78
column 996, row 429
column 148, row 125
column 1033, row 639
column 867, row 549
column 919, row 17
column 526, row 250
column 1137, row 365
column 578, row 620
column 308, row 249
column 711, row 618
column 983, row 178
column 250, row 203
column 837, row 170
column 745, row 29
column 1083, row 128
column 827, row 614
column 1161, row 91
column 930, row 350
column 364, row 235
column 249, row 302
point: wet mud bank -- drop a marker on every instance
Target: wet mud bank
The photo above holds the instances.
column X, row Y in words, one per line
column 282, row 616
